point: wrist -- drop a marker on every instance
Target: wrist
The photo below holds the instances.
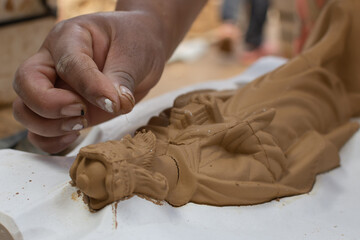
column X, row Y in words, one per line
column 171, row 19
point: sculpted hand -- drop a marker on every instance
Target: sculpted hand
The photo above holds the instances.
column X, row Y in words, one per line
column 88, row 70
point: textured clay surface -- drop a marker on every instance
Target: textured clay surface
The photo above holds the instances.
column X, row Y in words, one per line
column 267, row 140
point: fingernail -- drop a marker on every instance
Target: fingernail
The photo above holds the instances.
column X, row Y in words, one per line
column 73, row 110
column 128, row 94
column 74, row 124
column 105, row 104
column 69, row 138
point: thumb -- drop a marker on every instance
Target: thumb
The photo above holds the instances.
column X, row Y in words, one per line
column 78, row 64
column 124, row 84
column 80, row 72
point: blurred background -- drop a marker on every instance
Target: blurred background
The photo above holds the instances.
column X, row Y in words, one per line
column 227, row 37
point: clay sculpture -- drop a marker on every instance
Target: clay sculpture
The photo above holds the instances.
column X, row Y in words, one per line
column 266, row 140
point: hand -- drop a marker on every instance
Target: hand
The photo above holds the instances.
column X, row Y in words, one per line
column 89, row 69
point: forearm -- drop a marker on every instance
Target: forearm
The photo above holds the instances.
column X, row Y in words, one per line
column 172, row 18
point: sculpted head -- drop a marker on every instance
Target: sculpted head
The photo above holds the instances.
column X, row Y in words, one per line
column 110, row 171
column 91, row 178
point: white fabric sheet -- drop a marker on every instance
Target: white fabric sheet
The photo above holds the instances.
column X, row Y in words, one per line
column 37, row 201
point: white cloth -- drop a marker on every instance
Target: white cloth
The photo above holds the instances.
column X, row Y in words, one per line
column 37, row 201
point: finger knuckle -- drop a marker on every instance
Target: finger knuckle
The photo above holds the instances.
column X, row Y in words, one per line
column 60, row 27
column 17, row 110
column 43, row 143
column 20, row 77
column 66, row 64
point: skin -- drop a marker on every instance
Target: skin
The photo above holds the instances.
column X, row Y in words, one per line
column 99, row 64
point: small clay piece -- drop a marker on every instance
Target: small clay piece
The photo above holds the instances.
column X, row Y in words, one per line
column 264, row 141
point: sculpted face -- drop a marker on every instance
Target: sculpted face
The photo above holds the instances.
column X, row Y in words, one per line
column 90, row 178
column 110, row 171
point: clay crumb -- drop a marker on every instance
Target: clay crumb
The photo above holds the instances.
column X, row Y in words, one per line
column 114, row 210
column 92, row 210
column 74, row 196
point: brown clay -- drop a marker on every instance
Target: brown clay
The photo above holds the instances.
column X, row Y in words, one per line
column 267, row 140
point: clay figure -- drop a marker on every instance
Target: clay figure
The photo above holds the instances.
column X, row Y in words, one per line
column 266, row 140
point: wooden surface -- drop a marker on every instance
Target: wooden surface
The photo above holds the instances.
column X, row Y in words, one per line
column 17, row 43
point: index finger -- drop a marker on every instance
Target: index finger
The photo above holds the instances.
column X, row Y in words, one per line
column 72, row 48
column 34, row 83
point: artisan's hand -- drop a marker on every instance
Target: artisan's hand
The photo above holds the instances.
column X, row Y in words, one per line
column 88, row 70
